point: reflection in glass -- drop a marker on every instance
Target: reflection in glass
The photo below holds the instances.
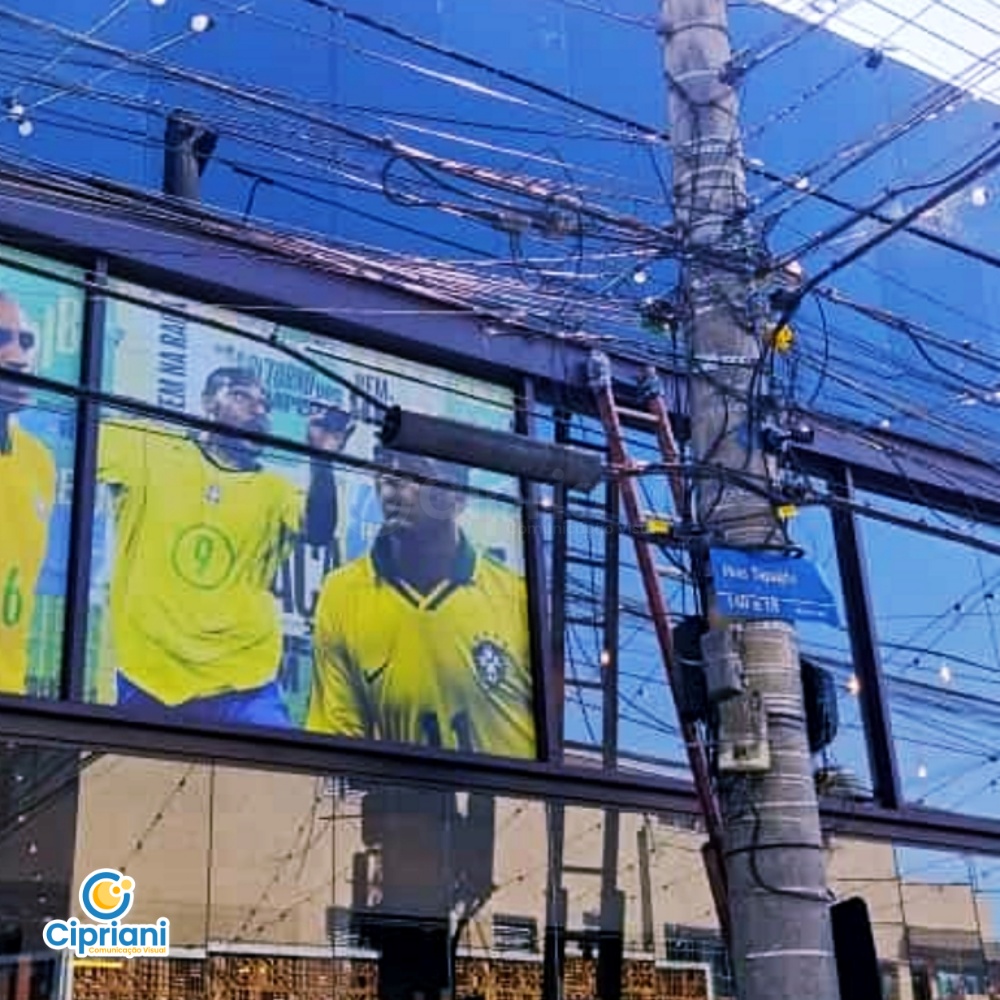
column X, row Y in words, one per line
column 282, row 883
column 842, row 767
column 935, row 610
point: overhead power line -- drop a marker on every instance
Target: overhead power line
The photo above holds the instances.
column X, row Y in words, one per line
column 874, row 215
column 978, row 167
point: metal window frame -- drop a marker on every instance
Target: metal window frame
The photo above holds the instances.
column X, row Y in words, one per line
column 535, row 578
column 873, row 693
column 79, row 563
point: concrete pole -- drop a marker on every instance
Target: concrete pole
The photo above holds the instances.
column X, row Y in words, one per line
column 781, row 944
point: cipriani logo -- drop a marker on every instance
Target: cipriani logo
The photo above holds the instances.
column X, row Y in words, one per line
column 106, row 896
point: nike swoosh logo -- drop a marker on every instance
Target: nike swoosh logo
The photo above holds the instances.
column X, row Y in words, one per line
column 371, row 676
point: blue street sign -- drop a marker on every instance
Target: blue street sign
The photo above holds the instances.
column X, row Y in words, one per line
column 771, row 585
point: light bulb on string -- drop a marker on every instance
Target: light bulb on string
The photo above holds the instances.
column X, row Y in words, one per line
column 201, row 23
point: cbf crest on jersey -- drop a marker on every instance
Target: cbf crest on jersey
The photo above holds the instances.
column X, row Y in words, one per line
column 491, row 660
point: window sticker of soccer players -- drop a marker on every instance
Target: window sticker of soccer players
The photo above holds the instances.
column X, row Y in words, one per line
column 28, row 487
column 201, row 526
column 40, row 327
column 424, row 639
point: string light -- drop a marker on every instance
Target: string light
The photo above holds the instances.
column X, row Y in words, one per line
column 854, row 685
column 945, row 673
column 200, row 23
column 25, row 128
column 979, row 195
column 922, row 771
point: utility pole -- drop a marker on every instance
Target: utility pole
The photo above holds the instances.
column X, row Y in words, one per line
column 781, row 943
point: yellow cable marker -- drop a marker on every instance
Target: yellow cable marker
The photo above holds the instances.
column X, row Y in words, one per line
column 783, row 339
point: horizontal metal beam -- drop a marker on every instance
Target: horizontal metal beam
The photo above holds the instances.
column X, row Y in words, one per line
column 100, row 728
column 905, row 469
column 913, row 826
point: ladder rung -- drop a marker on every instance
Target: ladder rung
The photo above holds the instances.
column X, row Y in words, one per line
column 639, row 416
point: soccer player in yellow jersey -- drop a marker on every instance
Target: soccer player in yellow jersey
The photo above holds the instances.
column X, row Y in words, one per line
column 27, row 493
column 201, row 528
column 424, row 640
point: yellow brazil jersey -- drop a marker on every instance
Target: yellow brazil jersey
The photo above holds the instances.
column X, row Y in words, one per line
column 27, row 486
column 449, row 668
column 196, row 548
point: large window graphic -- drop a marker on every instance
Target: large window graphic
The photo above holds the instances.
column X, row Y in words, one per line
column 239, row 581
column 40, row 331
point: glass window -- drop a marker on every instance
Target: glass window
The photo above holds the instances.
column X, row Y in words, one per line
column 382, row 891
column 226, row 590
column 934, row 602
column 842, row 765
column 648, row 725
column 36, row 468
column 647, row 732
column 40, row 333
column 239, row 584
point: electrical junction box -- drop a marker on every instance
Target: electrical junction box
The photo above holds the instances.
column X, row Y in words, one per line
column 723, row 664
column 743, row 746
